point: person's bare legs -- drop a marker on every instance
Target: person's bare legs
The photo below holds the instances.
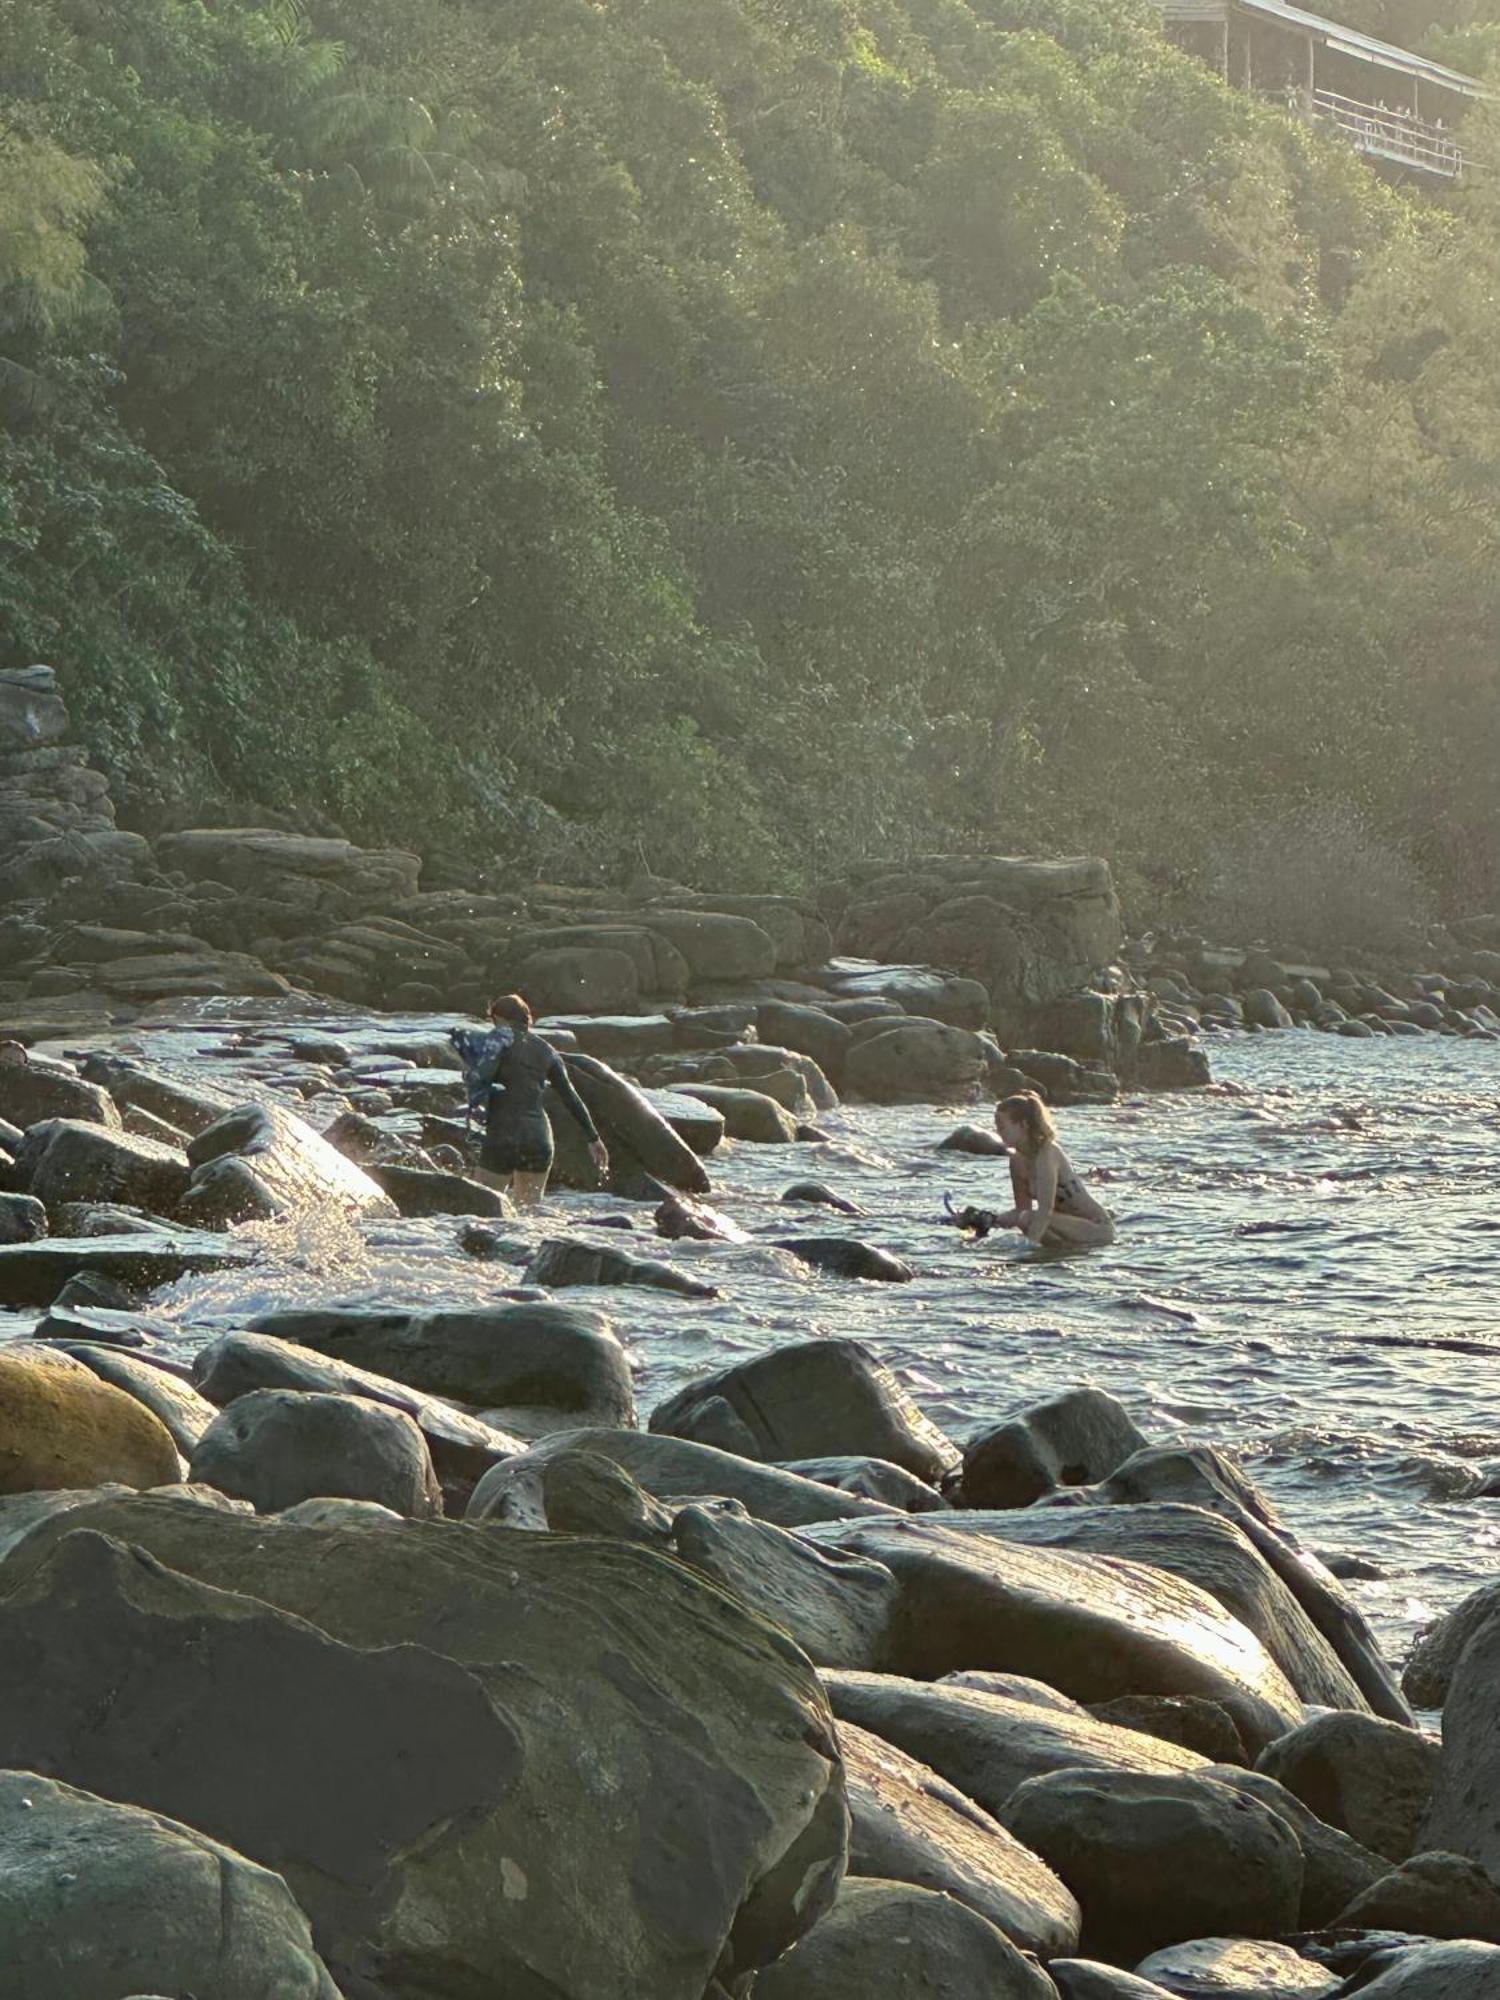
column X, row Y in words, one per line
column 499, row 1182
column 527, row 1190
column 1086, row 1231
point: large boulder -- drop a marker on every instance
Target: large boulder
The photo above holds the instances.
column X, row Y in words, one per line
column 1466, row 1971
column 422, row 1191
column 190, row 1107
column 295, row 1165
column 805, row 1399
column 697, row 1826
column 1203, row 1477
column 73, row 1159
column 1156, row 1859
column 874, row 1479
column 1201, row 1548
column 60, row 1425
column 1374, row 1779
column 463, row 1449
column 1087, row 1979
column 670, row 1469
column 640, row 1140
column 903, row 1943
column 1335, row 1868
column 544, row 1365
column 809, row 1030
column 748, row 1114
column 1440, row 1646
column 987, row 1744
column 265, row 862
column 23, row 1219
column 100, row 1900
column 32, row 1092
column 32, row 1274
column 1239, row 1969
column 186, row 1414
column 908, row 1824
column 1075, row 1439
column 914, row 1061
column 1091, row 1628
column 1431, row 1895
column 276, row 1447
column 1464, row 1817
column 719, row 948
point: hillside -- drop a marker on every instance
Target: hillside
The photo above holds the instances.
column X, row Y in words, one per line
column 745, row 435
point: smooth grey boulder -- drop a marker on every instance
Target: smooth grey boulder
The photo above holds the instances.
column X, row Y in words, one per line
column 1090, row 1628
column 32, row 1092
column 560, row 1261
column 1431, row 1895
column 808, row 1030
column 276, row 1447
column 186, row 1414
column 295, row 1165
column 543, row 1365
column 1464, row 1817
column 1335, row 1868
column 694, row 1830
column 1087, row 1979
column 100, row 1900
column 908, row 1824
column 1156, row 1859
column 640, row 1139
column 1075, row 1439
column 748, row 1114
column 1202, row 1548
column 910, row 1059
column 808, row 1397
column 1372, row 1778
column 1239, row 1969
column 873, row 1478
column 463, row 1448
column 904, row 1944
column 1199, row 1725
column 848, row 1257
column 73, row 1159
column 1429, row 1671
column 423, row 1191
column 669, row 1469
column 988, row 1744
column 1466, row 1971
column 1202, row 1477
column 23, row 1219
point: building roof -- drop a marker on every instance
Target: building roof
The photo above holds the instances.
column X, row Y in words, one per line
column 1334, row 35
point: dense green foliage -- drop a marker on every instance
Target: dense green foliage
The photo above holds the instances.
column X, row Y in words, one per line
column 743, row 432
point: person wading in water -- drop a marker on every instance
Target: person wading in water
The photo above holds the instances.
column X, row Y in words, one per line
column 1052, row 1204
column 516, row 1155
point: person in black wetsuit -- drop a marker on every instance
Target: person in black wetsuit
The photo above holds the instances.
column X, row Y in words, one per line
column 517, row 1151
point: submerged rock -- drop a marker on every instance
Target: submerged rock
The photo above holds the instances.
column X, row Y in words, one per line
column 62, row 1426
column 98, row 1900
column 568, row 1260
column 847, row 1257
column 816, row 1193
column 808, row 1397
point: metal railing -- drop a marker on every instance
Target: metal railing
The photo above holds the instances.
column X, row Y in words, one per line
column 1386, row 134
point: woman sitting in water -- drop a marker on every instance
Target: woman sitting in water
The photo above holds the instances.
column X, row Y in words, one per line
column 518, row 1148
column 1052, row 1204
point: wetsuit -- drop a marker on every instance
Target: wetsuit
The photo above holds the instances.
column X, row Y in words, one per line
column 517, row 1134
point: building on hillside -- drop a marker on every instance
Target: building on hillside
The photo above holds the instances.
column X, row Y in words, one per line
column 1398, row 109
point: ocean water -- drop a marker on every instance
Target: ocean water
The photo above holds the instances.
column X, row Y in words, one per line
column 1307, row 1271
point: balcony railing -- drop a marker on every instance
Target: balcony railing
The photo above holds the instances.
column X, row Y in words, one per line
column 1383, row 134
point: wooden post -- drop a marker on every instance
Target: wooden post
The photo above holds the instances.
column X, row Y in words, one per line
column 1312, row 69
column 1224, row 46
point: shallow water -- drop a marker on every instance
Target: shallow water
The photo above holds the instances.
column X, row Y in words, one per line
column 1308, row 1269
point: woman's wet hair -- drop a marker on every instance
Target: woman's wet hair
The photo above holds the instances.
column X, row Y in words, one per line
column 511, row 1007
column 1027, row 1110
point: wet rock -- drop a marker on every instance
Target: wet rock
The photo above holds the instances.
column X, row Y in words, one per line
column 1202, row 1548
column 908, row 1824
column 23, row 1219
column 1429, row 1671
column 60, row 1425
column 988, row 1744
column 639, row 1138
column 1438, row 1972
column 1334, row 1866
column 463, row 1449
column 1178, row 1062
column 874, row 1478
column 186, row 1414
column 192, row 1108
column 1237, row 1969
column 1092, row 1629
column 671, row 1469
column 847, row 1257
column 1264, row 1010
column 544, row 1365
column 226, row 1192
column 1202, row 1477
column 32, row 1274
column 678, row 1218
column 94, row 1291
column 699, row 1126
column 815, row 1193
column 570, row 1260
column 453, row 1657
column 295, row 1165
column 808, row 1397
column 919, row 1061
column 905, row 1944
column 141, row 1901
column 981, row 1140
column 1432, row 1895
column 33, row 1092
column 276, row 1447
column 70, row 1159
column 1374, row 1779
column 1074, row 1439
column 417, row 1191
column 747, row 1114
column 1198, row 1725
column 100, row 1325
column 1155, row 1859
